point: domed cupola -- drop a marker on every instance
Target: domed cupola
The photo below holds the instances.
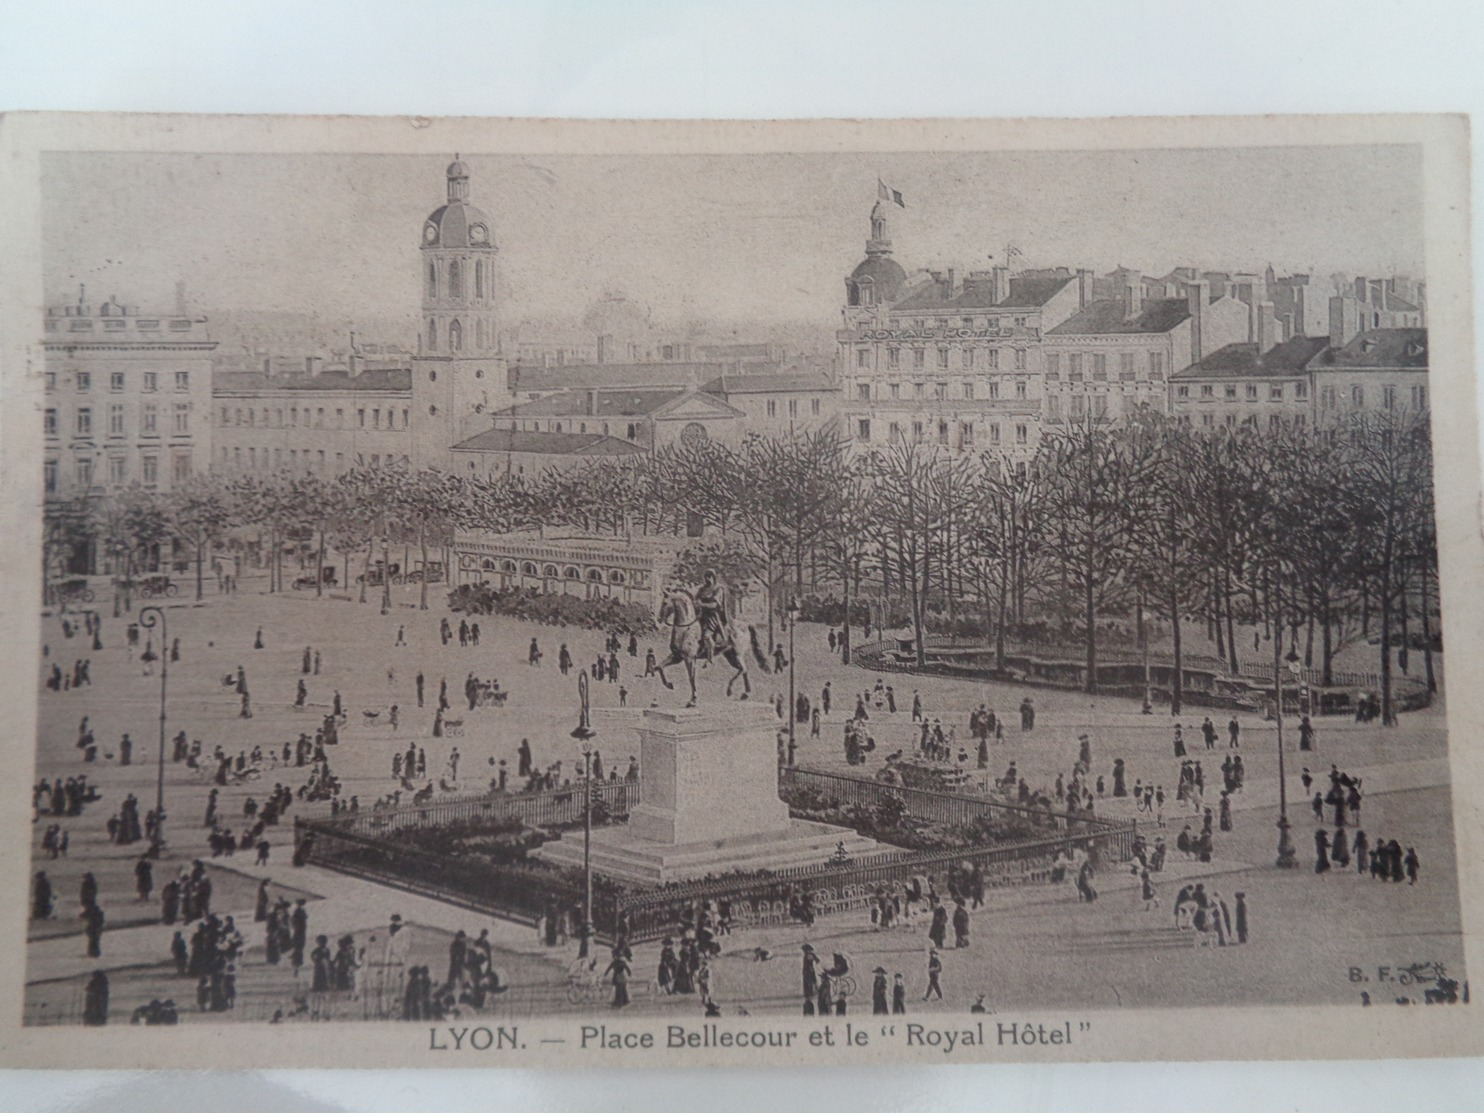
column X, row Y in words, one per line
column 878, row 278
column 458, row 224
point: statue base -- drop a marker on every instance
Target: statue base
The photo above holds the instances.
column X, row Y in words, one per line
column 708, row 805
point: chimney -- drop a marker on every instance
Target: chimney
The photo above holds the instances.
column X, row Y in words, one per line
column 1084, row 288
column 1267, row 328
column 180, row 299
column 592, row 401
column 1001, row 280
column 1198, row 295
column 1133, row 294
column 952, row 281
column 1362, row 287
column 353, row 363
column 1337, row 325
column 1288, row 334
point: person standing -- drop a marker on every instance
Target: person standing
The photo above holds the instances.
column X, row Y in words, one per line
column 898, row 995
column 1321, row 850
column 308, row 661
column 1241, row 918
column 934, row 971
column 960, row 925
column 144, row 879
column 299, row 923
column 1413, row 864
column 879, row 1005
column 419, row 690
column 92, row 917
column 1234, row 730
column 523, row 759
column 620, row 970
column 95, row 1000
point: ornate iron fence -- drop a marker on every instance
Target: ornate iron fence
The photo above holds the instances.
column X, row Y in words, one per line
column 559, row 807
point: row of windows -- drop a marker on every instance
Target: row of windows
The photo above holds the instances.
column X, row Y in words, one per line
column 84, row 471
column 115, row 325
column 484, row 337
column 550, row 570
column 557, row 426
column 968, row 358
column 961, row 435
column 1231, row 422
column 253, row 457
column 82, row 380
column 274, row 417
column 941, row 390
column 793, row 408
column 1329, row 397
column 1095, row 365
column 149, row 421
column 454, row 286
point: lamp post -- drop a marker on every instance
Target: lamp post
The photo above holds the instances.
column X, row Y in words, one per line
column 149, row 616
column 1286, row 857
column 386, row 576
column 585, row 733
column 1148, row 707
column 793, row 712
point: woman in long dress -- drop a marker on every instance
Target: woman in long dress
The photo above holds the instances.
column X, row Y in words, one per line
column 1321, row 851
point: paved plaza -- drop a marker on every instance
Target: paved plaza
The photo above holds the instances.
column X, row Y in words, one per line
column 1030, row 948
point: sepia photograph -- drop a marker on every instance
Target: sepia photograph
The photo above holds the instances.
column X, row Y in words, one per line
column 678, row 596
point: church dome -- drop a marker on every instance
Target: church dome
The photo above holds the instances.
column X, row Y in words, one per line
column 878, row 278
column 458, row 224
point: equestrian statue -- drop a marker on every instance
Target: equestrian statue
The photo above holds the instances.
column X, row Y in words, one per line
column 702, row 628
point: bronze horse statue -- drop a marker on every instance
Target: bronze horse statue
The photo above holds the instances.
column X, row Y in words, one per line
column 679, row 611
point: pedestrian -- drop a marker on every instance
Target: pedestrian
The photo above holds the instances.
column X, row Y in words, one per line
column 144, row 878
column 934, row 971
column 1413, row 865
column 960, row 925
column 257, row 641
column 1321, row 851
column 419, row 690
column 898, row 995
column 93, row 920
column 1241, row 918
column 95, row 1000
column 1234, row 730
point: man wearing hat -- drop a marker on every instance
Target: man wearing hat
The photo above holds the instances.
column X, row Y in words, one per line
column 878, row 993
column 898, row 995
column 934, row 969
column 1084, row 752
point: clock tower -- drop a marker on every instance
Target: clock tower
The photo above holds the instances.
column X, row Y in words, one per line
column 458, row 375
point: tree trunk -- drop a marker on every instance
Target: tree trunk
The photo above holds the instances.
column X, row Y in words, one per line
column 999, row 630
column 1385, row 603
column 1089, row 619
column 845, row 631
column 319, row 566
column 1432, row 682
column 919, row 603
column 1216, row 620
column 1177, row 682
column 1327, row 678
column 366, row 570
column 1231, row 624
column 1406, row 634
column 422, row 596
column 200, row 562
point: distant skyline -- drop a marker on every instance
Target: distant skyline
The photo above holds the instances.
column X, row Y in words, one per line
column 727, row 238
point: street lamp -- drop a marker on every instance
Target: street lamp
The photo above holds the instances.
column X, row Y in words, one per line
column 793, row 713
column 1148, row 707
column 386, row 576
column 149, row 616
column 585, row 733
column 1286, row 856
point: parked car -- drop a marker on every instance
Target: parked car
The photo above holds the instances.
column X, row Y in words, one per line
column 157, row 585
column 326, row 578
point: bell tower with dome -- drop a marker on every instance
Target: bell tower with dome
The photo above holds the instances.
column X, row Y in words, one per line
column 458, row 374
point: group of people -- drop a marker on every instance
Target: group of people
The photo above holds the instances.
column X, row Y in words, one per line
column 1382, row 858
column 63, row 797
column 1209, row 917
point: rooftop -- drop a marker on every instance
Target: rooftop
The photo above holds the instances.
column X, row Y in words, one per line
column 1241, row 360
column 670, row 374
column 616, row 403
column 977, row 294
column 1108, row 316
column 1402, row 347
column 332, row 380
column 747, row 383
column 547, row 442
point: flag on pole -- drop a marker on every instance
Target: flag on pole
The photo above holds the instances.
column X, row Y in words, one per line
column 887, row 194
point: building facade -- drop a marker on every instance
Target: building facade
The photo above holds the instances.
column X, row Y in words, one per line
column 651, row 418
column 929, row 359
column 323, row 424
column 531, row 453
column 1115, row 356
column 780, row 404
column 128, row 398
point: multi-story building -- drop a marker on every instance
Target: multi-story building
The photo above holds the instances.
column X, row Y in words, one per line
column 780, row 403
column 127, row 397
column 1305, row 381
column 323, row 422
column 1116, row 355
column 1378, row 370
column 957, row 365
column 1371, row 304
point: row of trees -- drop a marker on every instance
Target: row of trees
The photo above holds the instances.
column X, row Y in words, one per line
column 1105, row 528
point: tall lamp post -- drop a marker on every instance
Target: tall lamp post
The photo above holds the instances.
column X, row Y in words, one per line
column 585, row 733
column 149, row 617
column 386, row 576
column 793, row 710
column 1286, row 856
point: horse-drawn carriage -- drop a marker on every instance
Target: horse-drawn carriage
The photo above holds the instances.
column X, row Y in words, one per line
column 157, row 585
column 381, row 572
column 308, row 581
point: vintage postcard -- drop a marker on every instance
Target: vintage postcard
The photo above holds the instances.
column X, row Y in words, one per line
column 562, row 594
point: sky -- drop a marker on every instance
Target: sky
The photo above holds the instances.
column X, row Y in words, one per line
column 726, row 238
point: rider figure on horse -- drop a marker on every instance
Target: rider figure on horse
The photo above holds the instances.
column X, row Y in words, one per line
column 711, row 605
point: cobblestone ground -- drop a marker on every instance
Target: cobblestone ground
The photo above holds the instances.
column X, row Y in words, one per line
column 1034, row 948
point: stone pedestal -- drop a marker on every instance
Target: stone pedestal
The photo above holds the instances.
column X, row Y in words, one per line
column 709, row 804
